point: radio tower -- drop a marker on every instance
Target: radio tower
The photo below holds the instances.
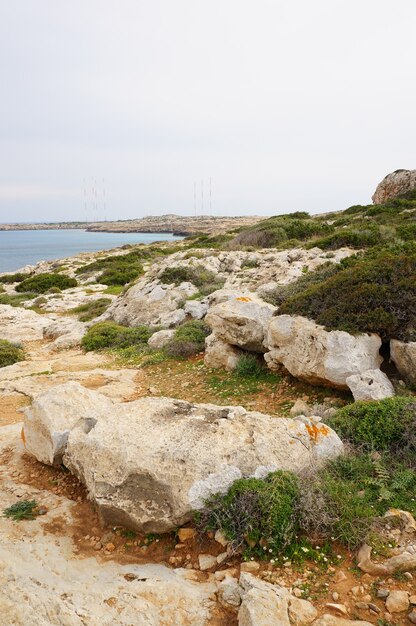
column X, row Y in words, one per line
column 202, row 197
column 104, row 204
column 195, row 198
column 210, row 197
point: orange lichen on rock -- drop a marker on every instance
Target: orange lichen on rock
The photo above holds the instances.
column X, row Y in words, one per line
column 243, row 299
column 22, row 435
column 314, row 430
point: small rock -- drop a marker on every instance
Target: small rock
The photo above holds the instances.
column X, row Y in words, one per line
column 397, row 601
column 186, row 534
column 250, row 567
column 374, row 607
column 220, row 538
column 338, row 608
column 340, row 576
column 412, row 599
column 382, row 593
column 301, row 612
column 362, row 606
column 412, row 617
column 98, row 546
column 222, row 557
column 335, row 596
column 110, row 547
column 206, row 561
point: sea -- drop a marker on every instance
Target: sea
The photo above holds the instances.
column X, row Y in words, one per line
column 26, row 247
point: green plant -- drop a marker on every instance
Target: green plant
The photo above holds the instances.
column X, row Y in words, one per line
column 13, row 278
column 378, row 425
column 195, row 274
column 383, row 285
column 113, row 336
column 24, row 509
column 189, row 339
column 255, row 513
column 248, row 366
column 10, row 353
column 15, row 299
column 92, row 309
column 41, row 283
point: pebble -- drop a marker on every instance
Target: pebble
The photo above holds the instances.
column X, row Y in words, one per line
column 98, row 546
column 374, row 607
column 110, row 547
column 338, row 608
column 335, row 596
column 251, row 567
column 382, row 593
column 412, row 617
column 397, row 601
column 362, row 606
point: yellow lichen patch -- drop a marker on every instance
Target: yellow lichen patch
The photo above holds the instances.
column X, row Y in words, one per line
column 314, row 430
column 22, row 435
column 243, row 299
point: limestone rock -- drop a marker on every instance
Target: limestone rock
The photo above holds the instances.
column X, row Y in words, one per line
column 150, row 463
column 241, row 321
column 219, row 354
column 52, row 415
column 370, row 385
column 159, row 339
column 317, row 356
column 18, row 324
column 206, row 561
column 196, row 309
column 263, row 604
column 397, row 601
column 229, row 593
column 148, row 302
column 301, row 612
column 394, row 184
column 404, row 357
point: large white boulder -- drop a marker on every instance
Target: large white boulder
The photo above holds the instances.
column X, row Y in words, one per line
column 370, row 385
column 150, row 463
column 149, row 303
column 52, row 414
column 404, row 357
column 317, row 356
column 18, row 324
column 220, row 355
column 241, row 321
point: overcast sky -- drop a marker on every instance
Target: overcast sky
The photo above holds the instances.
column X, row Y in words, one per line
column 285, row 105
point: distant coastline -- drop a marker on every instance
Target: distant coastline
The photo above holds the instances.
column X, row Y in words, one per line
column 164, row 224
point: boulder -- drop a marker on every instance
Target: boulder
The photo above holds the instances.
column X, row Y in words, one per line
column 66, row 332
column 397, row 601
column 317, row 356
column 301, row 612
column 148, row 303
column 241, row 321
column 196, row 309
column 220, row 355
column 18, row 324
column 51, row 416
column 370, row 385
column 404, row 357
column 159, row 339
column 150, row 463
column 394, row 184
column 263, row 604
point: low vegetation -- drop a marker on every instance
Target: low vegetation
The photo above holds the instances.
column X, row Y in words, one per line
column 10, row 353
column 91, row 310
column 13, row 278
column 42, row 283
column 341, row 501
column 204, row 279
column 108, row 335
column 22, row 510
column 189, row 339
column 374, row 292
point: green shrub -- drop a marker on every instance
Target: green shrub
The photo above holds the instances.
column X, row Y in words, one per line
column 195, row 274
column 375, row 292
column 189, row 339
column 15, row 299
column 255, row 512
column 13, row 278
column 362, row 238
column 110, row 335
column 10, row 353
column 123, row 268
column 120, row 276
column 41, row 283
column 378, row 425
column 344, row 499
column 91, row 309
column 282, row 228
column 23, row 509
column 248, row 366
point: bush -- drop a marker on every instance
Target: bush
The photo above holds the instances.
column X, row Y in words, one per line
column 91, row 309
column 189, row 339
column 41, row 283
column 120, row 276
column 13, row 278
column 10, row 353
column 255, row 512
column 273, row 231
column 344, row 499
column 248, row 366
column 375, row 293
column 363, row 238
column 195, row 274
column 378, row 425
column 110, row 335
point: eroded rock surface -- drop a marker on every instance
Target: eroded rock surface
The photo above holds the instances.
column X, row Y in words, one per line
column 317, row 356
column 394, row 184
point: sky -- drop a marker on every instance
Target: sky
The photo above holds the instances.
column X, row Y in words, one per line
column 284, row 105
